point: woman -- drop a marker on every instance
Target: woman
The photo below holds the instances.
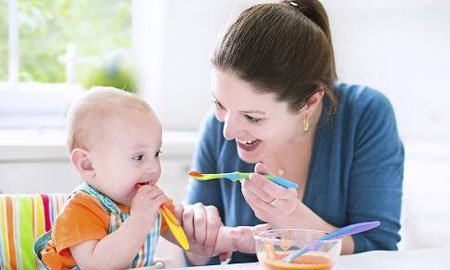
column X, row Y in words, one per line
column 278, row 105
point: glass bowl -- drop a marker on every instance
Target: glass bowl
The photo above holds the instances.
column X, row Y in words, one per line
column 273, row 245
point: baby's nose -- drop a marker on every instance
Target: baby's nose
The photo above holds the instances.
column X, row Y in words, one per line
column 150, row 176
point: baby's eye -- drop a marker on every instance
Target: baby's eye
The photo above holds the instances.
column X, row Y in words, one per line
column 138, row 157
column 158, row 153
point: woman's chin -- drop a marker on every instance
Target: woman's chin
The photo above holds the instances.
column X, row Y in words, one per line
column 249, row 157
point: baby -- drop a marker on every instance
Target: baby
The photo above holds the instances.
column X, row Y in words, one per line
column 112, row 220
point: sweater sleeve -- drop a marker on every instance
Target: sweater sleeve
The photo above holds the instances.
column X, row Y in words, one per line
column 376, row 177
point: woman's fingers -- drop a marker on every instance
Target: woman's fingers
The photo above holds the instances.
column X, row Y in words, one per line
column 188, row 222
column 178, row 210
column 251, row 194
column 213, row 223
column 255, row 184
column 268, row 200
column 199, row 223
column 267, row 190
column 261, row 208
column 276, row 191
column 261, row 168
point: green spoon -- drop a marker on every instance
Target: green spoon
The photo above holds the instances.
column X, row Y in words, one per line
column 235, row 176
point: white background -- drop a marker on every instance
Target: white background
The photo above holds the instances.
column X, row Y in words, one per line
column 399, row 47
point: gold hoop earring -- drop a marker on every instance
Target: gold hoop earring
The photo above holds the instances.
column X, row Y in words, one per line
column 306, row 123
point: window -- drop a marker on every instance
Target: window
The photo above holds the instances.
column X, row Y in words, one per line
column 3, row 40
column 46, row 27
column 50, row 36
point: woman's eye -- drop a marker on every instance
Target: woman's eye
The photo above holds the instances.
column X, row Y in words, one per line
column 138, row 157
column 218, row 105
column 253, row 119
column 158, row 153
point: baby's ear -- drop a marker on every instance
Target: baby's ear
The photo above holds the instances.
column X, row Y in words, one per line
column 82, row 163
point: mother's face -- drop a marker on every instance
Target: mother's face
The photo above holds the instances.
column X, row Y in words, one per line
column 259, row 123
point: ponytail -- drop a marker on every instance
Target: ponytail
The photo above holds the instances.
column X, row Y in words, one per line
column 315, row 11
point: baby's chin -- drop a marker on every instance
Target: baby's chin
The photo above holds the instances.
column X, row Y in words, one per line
column 124, row 201
column 108, row 190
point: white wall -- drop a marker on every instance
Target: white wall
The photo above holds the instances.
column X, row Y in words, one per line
column 173, row 40
column 403, row 49
column 400, row 47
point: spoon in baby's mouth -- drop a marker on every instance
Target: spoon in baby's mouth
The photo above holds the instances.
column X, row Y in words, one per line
column 173, row 224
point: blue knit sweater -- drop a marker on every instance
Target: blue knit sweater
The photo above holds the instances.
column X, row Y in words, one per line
column 355, row 174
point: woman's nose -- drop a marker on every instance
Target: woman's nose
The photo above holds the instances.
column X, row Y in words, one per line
column 231, row 127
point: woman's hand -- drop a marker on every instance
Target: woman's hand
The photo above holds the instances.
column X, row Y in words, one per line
column 271, row 202
column 201, row 224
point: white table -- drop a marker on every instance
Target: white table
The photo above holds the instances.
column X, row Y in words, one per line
column 420, row 259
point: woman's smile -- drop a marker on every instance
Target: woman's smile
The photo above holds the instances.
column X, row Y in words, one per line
column 248, row 146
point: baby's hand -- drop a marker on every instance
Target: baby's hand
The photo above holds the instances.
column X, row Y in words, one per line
column 145, row 204
column 242, row 237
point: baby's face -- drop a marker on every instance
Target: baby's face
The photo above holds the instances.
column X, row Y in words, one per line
column 127, row 153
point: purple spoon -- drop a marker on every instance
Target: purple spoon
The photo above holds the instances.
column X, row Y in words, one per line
column 347, row 230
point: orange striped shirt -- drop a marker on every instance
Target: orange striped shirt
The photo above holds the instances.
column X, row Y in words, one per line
column 82, row 219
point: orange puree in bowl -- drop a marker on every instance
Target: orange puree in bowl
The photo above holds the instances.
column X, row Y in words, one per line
column 304, row 262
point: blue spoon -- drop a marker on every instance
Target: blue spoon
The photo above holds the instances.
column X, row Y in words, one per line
column 235, row 176
column 347, row 230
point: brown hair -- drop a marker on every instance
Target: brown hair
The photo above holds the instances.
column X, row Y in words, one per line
column 282, row 48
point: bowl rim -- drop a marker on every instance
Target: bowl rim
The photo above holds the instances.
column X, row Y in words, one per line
column 259, row 235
